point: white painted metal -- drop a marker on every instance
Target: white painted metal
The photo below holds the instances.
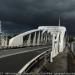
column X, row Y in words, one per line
column 46, row 38
column 38, row 39
column 18, row 40
column 4, row 41
column 41, row 39
column 29, row 40
column 57, row 32
column 59, row 21
column 34, row 40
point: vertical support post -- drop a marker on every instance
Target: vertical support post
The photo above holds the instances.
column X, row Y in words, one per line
column 55, row 42
column 49, row 39
column 38, row 39
column 61, row 42
column 72, row 47
column 34, row 39
column 29, row 40
column 2, row 41
column 52, row 52
column 41, row 38
column 45, row 58
column 6, row 41
column 46, row 38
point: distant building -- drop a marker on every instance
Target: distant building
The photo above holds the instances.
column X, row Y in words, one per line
column 3, row 37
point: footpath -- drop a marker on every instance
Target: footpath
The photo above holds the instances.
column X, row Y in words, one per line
column 63, row 63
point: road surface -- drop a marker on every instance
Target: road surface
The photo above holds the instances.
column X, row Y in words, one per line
column 11, row 61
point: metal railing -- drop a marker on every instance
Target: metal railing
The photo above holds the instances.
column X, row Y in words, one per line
column 41, row 58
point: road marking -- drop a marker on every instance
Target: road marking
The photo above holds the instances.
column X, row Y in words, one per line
column 21, row 52
column 31, row 61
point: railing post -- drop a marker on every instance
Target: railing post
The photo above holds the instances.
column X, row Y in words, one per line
column 72, row 47
column 34, row 39
column 46, row 38
column 38, row 39
column 41, row 38
column 45, row 59
column 61, row 42
column 29, row 40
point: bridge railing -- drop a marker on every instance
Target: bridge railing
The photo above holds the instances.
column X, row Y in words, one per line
column 72, row 46
column 35, row 62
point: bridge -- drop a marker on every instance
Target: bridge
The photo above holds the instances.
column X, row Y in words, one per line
column 29, row 51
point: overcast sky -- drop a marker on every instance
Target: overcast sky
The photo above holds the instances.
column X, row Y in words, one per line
column 22, row 15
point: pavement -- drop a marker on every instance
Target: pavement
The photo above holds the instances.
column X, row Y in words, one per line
column 71, row 62
column 59, row 64
column 64, row 62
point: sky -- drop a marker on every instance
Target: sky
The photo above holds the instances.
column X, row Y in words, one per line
column 22, row 15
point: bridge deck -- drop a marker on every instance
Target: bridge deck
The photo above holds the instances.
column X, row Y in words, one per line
column 14, row 60
column 14, row 51
column 64, row 62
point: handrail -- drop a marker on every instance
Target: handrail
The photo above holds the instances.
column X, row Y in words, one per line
column 31, row 61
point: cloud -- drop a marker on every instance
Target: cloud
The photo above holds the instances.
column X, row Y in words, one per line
column 69, row 15
column 32, row 8
column 26, row 12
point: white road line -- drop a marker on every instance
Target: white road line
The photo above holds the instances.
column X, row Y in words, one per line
column 21, row 52
column 31, row 61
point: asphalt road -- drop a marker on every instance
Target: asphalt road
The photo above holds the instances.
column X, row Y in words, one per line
column 12, row 61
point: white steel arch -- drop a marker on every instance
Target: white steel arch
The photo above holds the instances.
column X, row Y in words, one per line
column 18, row 40
column 57, row 33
